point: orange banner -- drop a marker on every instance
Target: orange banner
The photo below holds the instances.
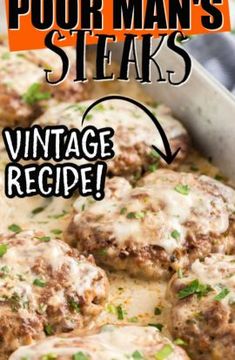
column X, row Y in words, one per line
column 29, row 21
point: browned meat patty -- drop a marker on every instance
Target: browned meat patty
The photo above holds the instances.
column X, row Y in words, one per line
column 203, row 308
column 68, row 90
column 134, row 133
column 109, row 342
column 45, row 288
column 168, row 222
column 24, row 93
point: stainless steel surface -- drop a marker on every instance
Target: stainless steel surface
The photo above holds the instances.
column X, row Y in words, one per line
column 205, row 107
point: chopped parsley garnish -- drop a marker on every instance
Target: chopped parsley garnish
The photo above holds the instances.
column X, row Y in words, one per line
column 99, row 107
column 89, row 117
column 44, row 238
column 80, row 356
column 223, row 293
column 111, row 309
column 135, row 215
column 35, row 94
column 182, row 189
column 123, row 211
column 49, row 356
column 157, row 326
column 194, row 287
column 58, row 216
column 152, row 167
column 180, row 342
column 116, row 310
column 56, row 231
column 48, row 329
column 38, row 210
column 39, row 282
column 157, row 311
column 133, row 319
column 3, row 249
column 164, row 352
column 74, row 305
column 137, row 355
column 175, row 234
column 154, row 154
column 15, row 228
column 120, row 312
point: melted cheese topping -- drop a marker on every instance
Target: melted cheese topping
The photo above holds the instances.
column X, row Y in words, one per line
column 26, row 252
column 131, row 125
column 218, row 271
column 117, row 343
column 151, row 214
column 16, row 73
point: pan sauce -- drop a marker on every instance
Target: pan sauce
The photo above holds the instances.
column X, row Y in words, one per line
column 138, row 299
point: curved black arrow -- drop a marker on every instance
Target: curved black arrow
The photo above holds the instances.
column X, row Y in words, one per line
column 168, row 156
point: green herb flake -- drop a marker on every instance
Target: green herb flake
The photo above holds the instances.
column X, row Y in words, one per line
column 157, row 326
column 182, row 189
column 136, row 215
column 15, row 228
column 154, row 154
column 111, row 309
column 3, row 249
column 123, row 211
column 48, row 329
column 56, row 231
column 137, row 355
column 180, row 342
column 49, row 356
column 223, row 293
column 80, row 356
column 74, row 305
column 35, row 94
column 99, row 107
column 44, row 238
column 120, row 312
column 164, row 352
column 133, row 319
column 38, row 210
column 89, row 117
column 152, row 167
column 194, row 287
column 40, row 283
column 58, row 216
column 175, row 235
column 157, row 311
